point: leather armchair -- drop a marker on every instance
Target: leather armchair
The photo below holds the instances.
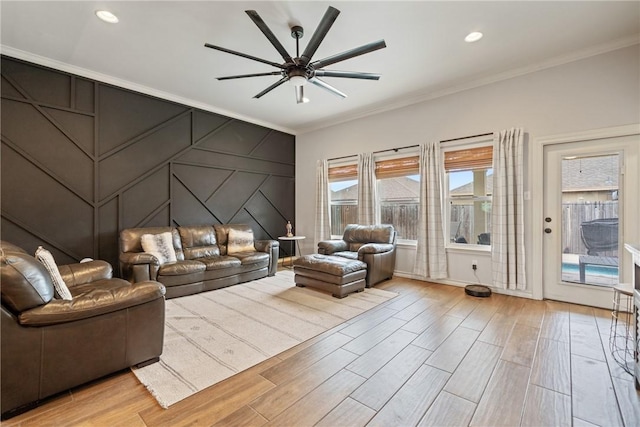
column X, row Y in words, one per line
column 50, row 345
column 375, row 245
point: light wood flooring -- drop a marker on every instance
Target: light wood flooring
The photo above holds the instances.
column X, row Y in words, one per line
column 432, row 356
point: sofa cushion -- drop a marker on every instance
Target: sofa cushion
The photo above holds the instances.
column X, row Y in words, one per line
column 240, row 241
column 45, row 257
column 220, row 262
column 222, row 234
column 181, row 267
column 253, row 257
column 198, row 241
column 93, row 299
column 25, row 282
column 346, row 254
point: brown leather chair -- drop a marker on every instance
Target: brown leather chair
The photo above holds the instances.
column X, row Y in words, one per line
column 375, row 245
column 50, row 345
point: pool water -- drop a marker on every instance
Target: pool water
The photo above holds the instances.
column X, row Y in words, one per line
column 599, row 270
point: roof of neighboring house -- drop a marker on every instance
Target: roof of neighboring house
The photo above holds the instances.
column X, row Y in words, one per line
column 401, row 188
column 590, row 173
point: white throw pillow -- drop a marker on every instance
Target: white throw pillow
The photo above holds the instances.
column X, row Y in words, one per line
column 160, row 246
column 45, row 257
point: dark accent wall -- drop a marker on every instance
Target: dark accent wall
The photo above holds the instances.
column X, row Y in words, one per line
column 82, row 160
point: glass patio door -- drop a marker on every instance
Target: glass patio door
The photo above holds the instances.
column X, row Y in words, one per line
column 584, row 197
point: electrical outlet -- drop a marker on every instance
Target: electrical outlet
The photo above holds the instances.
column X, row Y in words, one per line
column 474, row 264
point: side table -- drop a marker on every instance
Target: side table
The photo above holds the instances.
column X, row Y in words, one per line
column 295, row 241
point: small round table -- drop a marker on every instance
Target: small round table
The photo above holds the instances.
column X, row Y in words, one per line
column 292, row 239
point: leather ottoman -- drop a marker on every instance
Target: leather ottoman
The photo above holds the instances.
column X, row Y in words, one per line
column 334, row 274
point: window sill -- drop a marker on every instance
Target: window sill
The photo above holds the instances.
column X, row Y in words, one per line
column 468, row 248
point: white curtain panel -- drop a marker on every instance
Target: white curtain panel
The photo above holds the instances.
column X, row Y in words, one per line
column 367, row 194
column 322, row 229
column 507, row 217
column 431, row 258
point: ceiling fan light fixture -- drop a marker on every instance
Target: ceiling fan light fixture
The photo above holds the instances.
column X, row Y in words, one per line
column 473, row 37
column 298, row 80
column 107, row 16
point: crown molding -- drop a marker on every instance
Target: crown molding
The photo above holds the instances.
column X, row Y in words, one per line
column 450, row 90
column 126, row 84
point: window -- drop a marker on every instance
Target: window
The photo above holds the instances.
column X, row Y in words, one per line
column 343, row 194
column 469, row 176
column 399, row 195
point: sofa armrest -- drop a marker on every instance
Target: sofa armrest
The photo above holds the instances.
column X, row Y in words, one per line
column 327, row 247
column 108, row 295
column 374, row 248
column 139, row 266
column 266, row 245
column 86, row 272
column 135, row 258
column 272, row 247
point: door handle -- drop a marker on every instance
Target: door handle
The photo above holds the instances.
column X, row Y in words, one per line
column 547, row 230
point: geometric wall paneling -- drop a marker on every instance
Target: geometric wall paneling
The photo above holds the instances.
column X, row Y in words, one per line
column 48, row 145
column 78, row 126
column 187, row 209
column 230, row 198
column 276, row 147
column 40, row 84
column 43, row 206
column 237, row 138
column 202, row 181
column 134, row 114
column 279, row 191
column 271, row 219
column 204, row 123
column 225, row 160
column 108, row 232
column 84, row 98
column 143, row 154
column 81, row 160
column 8, row 90
column 145, row 199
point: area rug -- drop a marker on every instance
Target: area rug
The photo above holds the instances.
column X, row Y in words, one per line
column 213, row 335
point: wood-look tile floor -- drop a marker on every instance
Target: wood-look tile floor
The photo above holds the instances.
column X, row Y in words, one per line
column 432, row 356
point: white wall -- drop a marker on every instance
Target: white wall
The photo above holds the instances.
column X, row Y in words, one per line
column 592, row 93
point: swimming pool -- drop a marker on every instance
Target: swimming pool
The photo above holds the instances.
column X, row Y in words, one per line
column 598, row 270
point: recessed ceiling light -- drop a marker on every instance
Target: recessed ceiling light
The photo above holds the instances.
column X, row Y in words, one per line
column 473, row 37
column 107, row 16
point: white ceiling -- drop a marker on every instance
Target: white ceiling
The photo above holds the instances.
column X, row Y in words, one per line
column 157, row 48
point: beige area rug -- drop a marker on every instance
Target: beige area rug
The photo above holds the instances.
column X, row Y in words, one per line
column 213, row 335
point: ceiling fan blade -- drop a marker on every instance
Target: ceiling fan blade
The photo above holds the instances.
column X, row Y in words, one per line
column 244, row 55
column 273, row 86
column 348, row 74
column 267, row 32
column 324, row 85
column 241, row 76
column 323, row 28
column 349, row 54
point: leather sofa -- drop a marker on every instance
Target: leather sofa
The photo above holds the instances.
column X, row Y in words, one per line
column 204, row 261
column 375, row 245
column 50, row 345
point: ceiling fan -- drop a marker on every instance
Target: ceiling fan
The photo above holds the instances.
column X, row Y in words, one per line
column 300, row 70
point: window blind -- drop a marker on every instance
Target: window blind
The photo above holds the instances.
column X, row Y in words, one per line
column 469, row 159
column 394, row 168
column 343, row 173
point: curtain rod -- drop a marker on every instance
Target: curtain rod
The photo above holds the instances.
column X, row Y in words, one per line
column 416, row 145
